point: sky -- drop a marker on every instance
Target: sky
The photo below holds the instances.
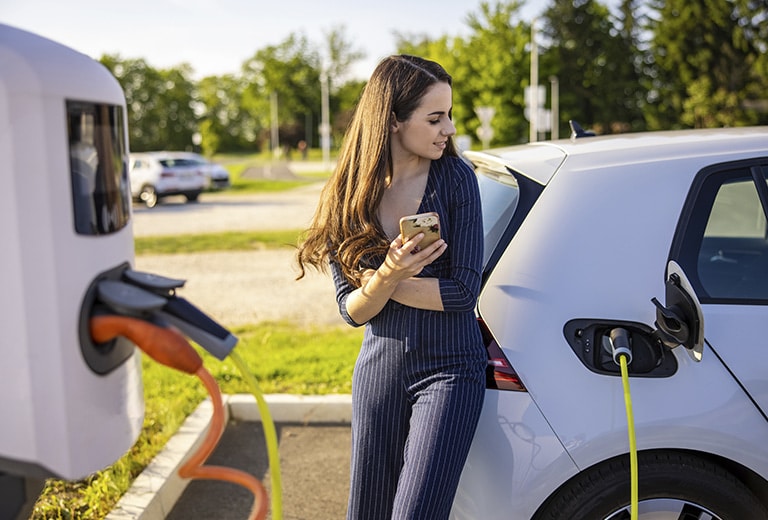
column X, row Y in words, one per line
column 216, row 36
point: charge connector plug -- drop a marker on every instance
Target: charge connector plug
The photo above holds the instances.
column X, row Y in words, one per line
column 620, row 345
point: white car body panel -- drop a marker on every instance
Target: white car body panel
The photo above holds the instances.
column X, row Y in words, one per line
column 566, row 264
column 511, row 423
column 729, row 329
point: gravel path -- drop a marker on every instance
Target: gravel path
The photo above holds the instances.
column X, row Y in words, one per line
column 241, row 287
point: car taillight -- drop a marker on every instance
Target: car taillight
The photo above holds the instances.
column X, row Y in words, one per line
column 499, row 375
column 167, row 173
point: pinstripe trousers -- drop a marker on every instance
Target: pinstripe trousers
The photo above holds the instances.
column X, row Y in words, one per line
column 414, row 415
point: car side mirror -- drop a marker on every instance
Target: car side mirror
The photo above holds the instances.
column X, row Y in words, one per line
column 680, row 321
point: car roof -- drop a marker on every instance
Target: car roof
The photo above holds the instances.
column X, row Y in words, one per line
column 539, row 161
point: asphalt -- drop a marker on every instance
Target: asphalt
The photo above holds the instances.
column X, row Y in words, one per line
column 314, row 470
column 313, row 443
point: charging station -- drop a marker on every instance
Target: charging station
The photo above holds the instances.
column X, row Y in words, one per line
column 69, row 407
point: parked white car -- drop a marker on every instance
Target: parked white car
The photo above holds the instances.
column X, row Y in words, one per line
column 217, row 176
column 581, row 236
column 155, row 175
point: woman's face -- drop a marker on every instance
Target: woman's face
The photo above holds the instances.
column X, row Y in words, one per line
column 426, row 132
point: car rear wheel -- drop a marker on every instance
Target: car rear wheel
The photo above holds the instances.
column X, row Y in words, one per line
column 149, row 196
column 672, row 486
column 192, row 196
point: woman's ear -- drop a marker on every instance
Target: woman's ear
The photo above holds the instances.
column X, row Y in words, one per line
column 393, row 123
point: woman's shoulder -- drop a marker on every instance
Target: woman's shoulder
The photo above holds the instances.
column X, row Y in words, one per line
column 454, row 166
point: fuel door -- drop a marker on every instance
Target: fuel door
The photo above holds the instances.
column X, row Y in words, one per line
column 680, row 320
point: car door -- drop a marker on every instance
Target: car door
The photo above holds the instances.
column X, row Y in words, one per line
column 722, row 246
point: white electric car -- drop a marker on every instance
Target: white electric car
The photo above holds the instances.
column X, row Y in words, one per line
column 661, row 235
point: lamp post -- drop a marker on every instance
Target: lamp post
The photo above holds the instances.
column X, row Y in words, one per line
column 534, row 102
column 274, row 123
column 325, row 127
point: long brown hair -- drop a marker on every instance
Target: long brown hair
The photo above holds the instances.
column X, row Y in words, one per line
column 345, row 225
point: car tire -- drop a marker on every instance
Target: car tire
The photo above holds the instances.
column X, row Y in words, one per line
column 685, row 485
column 192, row 196
column 149, row 196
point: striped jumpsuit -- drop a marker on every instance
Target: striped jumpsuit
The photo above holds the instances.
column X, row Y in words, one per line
column 419, row 380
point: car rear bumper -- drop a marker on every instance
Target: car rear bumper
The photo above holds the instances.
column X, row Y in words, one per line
column 181, row 186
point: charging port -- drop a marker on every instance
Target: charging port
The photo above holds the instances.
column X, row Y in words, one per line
column 101, row 358
column 590, row 340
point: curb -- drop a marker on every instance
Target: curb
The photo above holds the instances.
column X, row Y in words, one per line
column 156, row 490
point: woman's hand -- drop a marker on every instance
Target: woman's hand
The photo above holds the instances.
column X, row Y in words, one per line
column 403, row 262
column 405, row 259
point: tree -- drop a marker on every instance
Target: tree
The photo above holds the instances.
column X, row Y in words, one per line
column 340, row 56
column 594, row 61
column 224, row 125
column 290, row 71
column 159, row 103
column 489, row 68
column 496, row 64
column 706, row 57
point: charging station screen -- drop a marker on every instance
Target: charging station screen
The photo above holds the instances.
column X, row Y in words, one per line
column 98, row 162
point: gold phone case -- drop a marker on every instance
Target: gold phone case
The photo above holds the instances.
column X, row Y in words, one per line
column 427, row 223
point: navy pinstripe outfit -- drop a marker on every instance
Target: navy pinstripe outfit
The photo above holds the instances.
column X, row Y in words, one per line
column 419, row 380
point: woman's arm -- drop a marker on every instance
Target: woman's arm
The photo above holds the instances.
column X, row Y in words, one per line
column 399, row 267
column 419, row 292
column 458, row 291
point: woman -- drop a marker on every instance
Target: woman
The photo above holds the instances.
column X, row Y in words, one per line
column 419, row 381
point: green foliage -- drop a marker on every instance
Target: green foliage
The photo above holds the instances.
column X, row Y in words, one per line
column 286, row 77
column 598, row 78
column 159, row 101
column 224, row 125
column 495, row 66
column 706, row 58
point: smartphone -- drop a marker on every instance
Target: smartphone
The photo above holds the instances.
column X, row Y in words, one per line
column 427, row 223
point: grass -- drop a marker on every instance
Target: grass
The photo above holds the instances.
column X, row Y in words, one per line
column 283, row 359
column 241, row 185
column 236, row 165
column 223, row 241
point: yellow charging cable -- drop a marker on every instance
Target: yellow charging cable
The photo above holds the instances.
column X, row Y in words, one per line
column 632, row 440
column 270, row 434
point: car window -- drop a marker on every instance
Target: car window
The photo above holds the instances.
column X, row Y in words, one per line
column 500, row 195
column 732, row 248
column 177, row 163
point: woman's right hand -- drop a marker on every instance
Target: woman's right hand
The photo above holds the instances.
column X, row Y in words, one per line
column 402, row 262
column 405, row 259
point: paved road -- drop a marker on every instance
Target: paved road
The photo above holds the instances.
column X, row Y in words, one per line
column 314, row 467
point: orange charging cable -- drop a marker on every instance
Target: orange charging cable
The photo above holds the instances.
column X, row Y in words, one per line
column 170, row 348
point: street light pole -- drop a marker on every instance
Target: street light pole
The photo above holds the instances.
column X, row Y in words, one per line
column 325, row 127
column 533, row 136
column 274, row 125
